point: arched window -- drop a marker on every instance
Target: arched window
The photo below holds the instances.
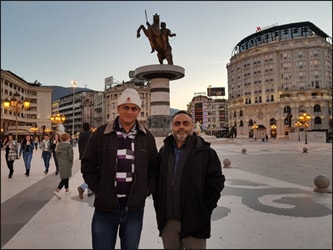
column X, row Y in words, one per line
column 241, row 113
column 241, row 124
column 235, row 113
column 250, row 123
column 272, row 121
column 317, row 108
column 287, row 109
column 317, row 120
column 301, row 109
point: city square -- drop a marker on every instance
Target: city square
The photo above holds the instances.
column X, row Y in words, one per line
column 259, row 91
column 268, row 201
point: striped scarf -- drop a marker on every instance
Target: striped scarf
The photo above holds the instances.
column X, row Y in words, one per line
column 125, row 162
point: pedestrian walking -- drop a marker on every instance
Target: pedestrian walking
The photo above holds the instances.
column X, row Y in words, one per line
column 118, row 165
column 83, row 139
column 54, row 144
column 26, row 151
column 11, row 148
column 45, row 146
column 189, row 186
column 65, row 157
column 36, row 142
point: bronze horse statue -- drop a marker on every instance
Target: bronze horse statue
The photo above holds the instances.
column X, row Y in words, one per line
column 157, row 43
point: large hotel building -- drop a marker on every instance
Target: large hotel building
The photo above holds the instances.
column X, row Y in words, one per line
column 277, row 74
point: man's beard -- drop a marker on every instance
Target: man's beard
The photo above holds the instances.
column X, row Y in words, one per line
column 180, row 137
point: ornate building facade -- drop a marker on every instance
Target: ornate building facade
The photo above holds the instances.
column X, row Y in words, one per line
column 37, row 116
column 277, row 74
column 210, row 113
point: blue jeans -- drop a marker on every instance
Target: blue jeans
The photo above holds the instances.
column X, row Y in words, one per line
column 27, row 157
column 105, row 227
column 84, row 186
column 46, row 155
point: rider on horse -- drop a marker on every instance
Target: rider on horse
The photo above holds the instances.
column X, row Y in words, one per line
column 158, row 39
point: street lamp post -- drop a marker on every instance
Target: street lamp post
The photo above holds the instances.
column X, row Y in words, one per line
column 298, row 124
column 34, row 130
column 304, row 118
column 17, row 106
column 48, row 130
column 273, row 130
column 58, row 119
column 74, row 85
column 255, row 126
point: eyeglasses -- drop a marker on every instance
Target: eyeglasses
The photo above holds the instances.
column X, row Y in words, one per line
column 127, row 108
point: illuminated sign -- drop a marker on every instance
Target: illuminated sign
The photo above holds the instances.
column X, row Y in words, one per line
column 216, row 91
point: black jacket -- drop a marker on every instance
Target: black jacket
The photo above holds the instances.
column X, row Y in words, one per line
column 98, row 165
column 83, row 139
column 200, row 187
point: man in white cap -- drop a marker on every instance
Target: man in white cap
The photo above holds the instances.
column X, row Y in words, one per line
column 119, row 165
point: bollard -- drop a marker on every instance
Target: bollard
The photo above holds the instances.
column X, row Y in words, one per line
column 243, row 150
column 305, row 150
column 322, row 183
column 226, row 163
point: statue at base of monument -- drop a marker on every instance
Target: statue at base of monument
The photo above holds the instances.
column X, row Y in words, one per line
column 198, row 128
column 61, row 129
column 158, row 35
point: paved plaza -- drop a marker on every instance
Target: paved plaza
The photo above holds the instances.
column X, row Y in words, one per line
column 268, row 201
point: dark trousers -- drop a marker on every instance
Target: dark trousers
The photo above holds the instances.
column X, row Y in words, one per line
column 10, row 165
column 64, row 182
column 170, row 238
column 55, row 160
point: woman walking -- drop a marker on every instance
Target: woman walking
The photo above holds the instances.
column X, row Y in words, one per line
column 26, row 150
column 65, row 157
column 11, row 154
column 45, row 146
column 36, row 142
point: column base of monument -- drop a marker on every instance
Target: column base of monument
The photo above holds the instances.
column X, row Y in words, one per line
column 159, row 125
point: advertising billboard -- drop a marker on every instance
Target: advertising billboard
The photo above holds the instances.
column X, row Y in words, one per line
column 216, row 91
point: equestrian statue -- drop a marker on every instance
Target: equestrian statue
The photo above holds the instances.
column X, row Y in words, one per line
column 158, row 35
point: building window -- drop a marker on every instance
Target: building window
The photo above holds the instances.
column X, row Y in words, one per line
column 272, row 98
column 317, row 108
column 317, row 120
column 301, row 109
column 287, row 109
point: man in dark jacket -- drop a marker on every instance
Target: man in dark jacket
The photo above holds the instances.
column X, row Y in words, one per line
column 82, row 143
column 189, row 186
column 118, row 165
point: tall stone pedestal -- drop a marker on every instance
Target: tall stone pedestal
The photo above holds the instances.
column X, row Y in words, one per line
column 159, row 76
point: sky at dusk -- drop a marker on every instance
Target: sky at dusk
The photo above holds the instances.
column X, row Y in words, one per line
column 55, row 42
